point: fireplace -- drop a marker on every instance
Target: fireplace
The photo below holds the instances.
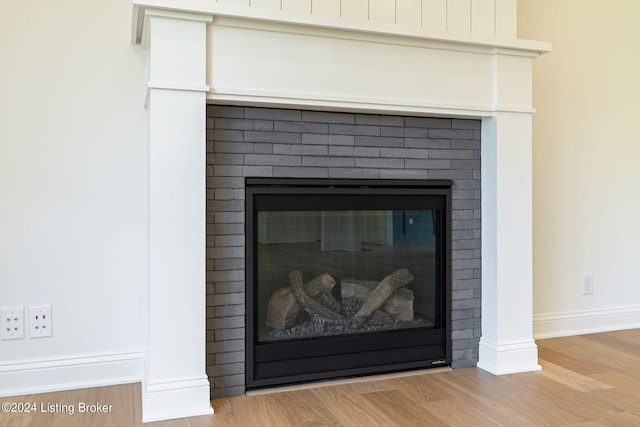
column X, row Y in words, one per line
column 210, row 52
column 346, row 277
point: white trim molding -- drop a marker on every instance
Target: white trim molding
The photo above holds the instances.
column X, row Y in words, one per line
column 552, row 325
column 508, row 357
column 342, row 103
column 68, row 373
column 188, row 87
column 176, row 398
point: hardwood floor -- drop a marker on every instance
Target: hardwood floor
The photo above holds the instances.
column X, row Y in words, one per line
column 586, row 381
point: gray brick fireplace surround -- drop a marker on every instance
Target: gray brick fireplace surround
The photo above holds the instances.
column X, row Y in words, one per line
column 262, row 142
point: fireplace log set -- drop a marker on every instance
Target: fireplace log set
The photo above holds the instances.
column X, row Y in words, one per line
column 363, row 302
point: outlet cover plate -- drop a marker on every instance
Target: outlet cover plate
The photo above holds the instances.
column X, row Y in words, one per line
column 40, row 321
column 587, row 284
column 12, row 323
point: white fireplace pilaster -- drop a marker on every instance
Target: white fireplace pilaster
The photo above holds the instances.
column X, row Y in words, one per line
column 507, row 344
column 176, row 383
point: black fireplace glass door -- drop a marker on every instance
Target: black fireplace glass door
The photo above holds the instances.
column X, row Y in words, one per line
column 346, row 278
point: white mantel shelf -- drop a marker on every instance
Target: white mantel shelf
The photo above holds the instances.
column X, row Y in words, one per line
column 368, row 29
column 201, row 51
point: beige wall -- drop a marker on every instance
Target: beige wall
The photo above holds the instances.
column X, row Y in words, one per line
column 586, row 163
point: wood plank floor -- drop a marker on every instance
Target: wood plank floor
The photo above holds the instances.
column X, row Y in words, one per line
column 586, row 381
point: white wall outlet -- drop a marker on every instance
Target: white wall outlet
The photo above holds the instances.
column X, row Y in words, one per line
column 587, row 284
column 12, row 323
column 40, row 321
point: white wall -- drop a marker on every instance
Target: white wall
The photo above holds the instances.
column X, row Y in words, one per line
column 586, row 155
column 73, row 183
column 479, row 17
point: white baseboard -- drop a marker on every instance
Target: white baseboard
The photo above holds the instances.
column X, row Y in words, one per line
column 585, row 322
column 508, row 358
column 69, row 373
column 178, row 398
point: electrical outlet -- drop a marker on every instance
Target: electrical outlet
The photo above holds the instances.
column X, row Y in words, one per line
column 12, row 323
column 587, row 284
column 40, row 321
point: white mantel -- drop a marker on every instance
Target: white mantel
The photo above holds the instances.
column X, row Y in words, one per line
column 201, row 51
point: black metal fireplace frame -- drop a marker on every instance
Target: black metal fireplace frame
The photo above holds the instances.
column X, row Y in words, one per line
column 264, row 364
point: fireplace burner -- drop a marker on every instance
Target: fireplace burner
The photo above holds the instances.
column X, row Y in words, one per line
column 346, row 278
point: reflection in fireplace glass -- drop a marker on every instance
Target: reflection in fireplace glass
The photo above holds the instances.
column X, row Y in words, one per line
column 327, row 273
